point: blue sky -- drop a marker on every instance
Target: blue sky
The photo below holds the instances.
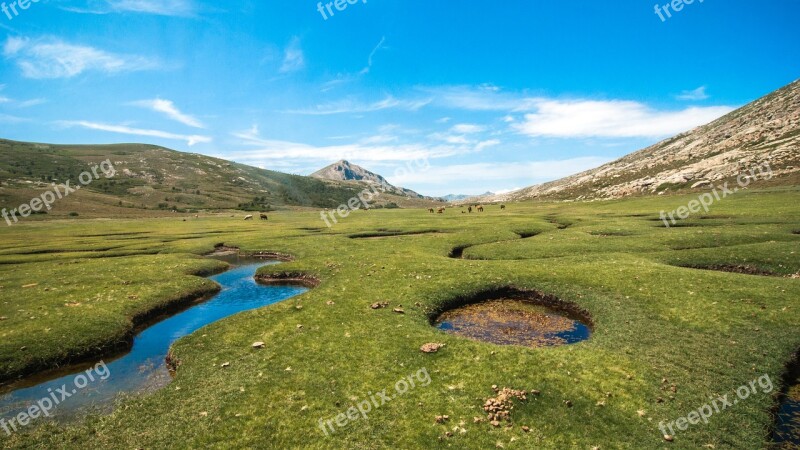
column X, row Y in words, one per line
column 496, row 95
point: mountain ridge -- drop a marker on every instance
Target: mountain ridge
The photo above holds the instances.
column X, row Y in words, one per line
column 766, row 130
column 154, row 180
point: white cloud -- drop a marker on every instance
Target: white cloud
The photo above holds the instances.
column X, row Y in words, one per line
column 177, row 8
column 354, row 107
column 293, row 58
column 53, row 58
column 693, row 95
column 169, row 109
column 31, row 102
column 375, row 149
column 477, row 98
column 5, row 118
column 613, row 119
column 531, row 172
column 468, row 128
column 121, row 129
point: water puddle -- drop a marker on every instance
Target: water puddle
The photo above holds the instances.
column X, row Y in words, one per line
column 514, row 322
column 787, row 421
column 144, row 368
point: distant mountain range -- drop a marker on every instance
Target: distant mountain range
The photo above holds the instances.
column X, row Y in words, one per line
column 153, row 180
column 459, row 197
column 764, row 131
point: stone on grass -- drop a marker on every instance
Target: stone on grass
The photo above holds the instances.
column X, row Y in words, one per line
column 431, row 347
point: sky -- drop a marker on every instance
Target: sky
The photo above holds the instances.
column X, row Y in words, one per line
column 438, row 96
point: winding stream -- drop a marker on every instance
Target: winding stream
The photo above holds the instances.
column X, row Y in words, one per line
column 144, row 367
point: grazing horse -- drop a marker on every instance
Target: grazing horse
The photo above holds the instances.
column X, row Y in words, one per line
column 248, row 217
column 480, row 208
column 431, row 210
column 440, row 211
column 502, row 207
column 470, row 209
column 264, row 217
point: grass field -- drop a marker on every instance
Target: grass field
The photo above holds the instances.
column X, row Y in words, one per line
column 670, row 328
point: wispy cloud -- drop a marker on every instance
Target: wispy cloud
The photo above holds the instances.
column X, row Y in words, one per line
column 122, row 129
column 31, row 102
column 531, row 172
column 468, row 128
column 485, row 97
column 168, row 108
column 366, row 69
column 293, row 58
column 351, row 106
column 611, row 119
column 5, row 118
column 377, row 149
column 694, row 95
column 53, row 58
column 175, row 8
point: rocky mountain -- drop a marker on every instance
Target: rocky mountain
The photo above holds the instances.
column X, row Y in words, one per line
column 152, row 180
column 346, row 171
column 766, row 131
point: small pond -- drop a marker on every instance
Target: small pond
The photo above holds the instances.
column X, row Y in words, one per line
column 514, row 322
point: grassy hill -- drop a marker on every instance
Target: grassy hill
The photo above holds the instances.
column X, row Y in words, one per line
column 153, row 180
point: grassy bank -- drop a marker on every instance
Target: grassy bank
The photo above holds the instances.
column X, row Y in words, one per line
column 664, row 303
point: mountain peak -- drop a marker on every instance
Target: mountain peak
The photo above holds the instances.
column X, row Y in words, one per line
column 344, row 170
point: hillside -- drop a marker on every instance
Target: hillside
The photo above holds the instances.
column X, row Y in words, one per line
column 764, row 131
column 346, row 171
column 153, row 180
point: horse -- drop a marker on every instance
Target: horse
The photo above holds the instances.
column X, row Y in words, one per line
column 502, row 207
column 431, row 210
column 264, row 217
column 248, row 217
column 470, row 209
column 480, row 208
column 440, row 211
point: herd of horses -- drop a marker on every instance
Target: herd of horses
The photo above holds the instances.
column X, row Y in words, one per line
column 470, row 208
column 441, row 210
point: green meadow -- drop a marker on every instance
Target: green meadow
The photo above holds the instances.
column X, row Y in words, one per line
column 674, row 324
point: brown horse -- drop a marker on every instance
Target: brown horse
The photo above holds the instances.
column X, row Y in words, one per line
column 470, row 209
column 502, row 207
column 440, row 211
column 480, row 208
column 264, row 217
column 431, row 210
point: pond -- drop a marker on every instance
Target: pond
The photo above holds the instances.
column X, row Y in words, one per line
column 144, row 367
column 514, row 322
